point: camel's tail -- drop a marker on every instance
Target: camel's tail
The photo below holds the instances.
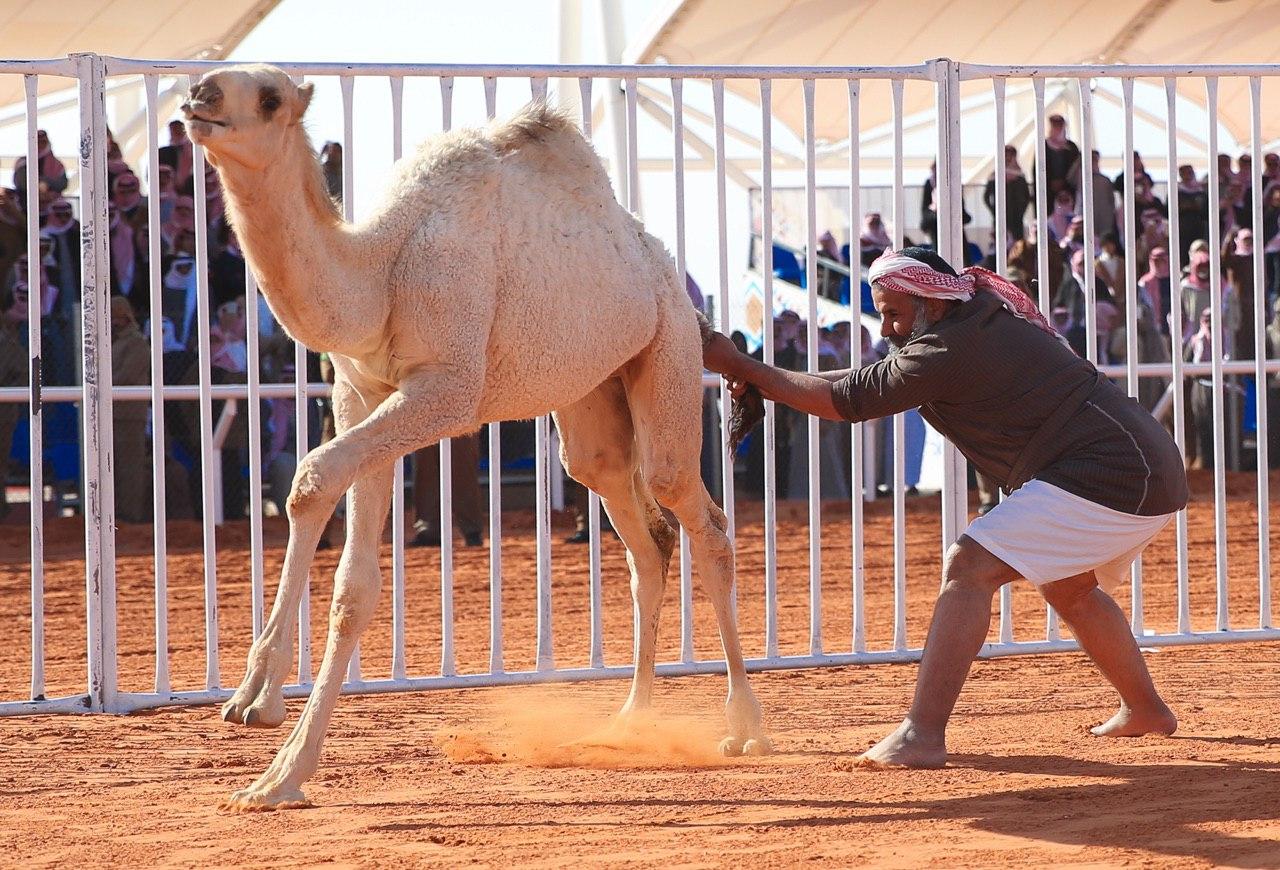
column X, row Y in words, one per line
column 747, row 410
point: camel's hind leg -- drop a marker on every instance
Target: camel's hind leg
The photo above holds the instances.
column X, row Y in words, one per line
column 598, row 450
column 664, row 390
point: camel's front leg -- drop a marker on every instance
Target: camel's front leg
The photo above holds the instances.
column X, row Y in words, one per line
column 355, row 594
column 418, row 415
column 259, row 701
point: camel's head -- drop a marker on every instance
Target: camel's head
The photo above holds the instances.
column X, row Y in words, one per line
column 244, row 113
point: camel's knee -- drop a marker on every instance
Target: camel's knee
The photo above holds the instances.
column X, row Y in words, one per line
column 602, row 470
column 354, row 601
column 668, row 485
column 317, row 485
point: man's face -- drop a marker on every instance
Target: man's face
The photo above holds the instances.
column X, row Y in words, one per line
column 61, row 212
column 21, row 303
column 902, row 316
column 126, row 186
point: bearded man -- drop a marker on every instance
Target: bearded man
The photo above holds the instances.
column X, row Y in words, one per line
column 1091, row 477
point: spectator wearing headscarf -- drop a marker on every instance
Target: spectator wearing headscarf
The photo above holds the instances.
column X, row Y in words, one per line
column 1064, row 210
column 52, row 174
column 1155, row 286
column 874, row 238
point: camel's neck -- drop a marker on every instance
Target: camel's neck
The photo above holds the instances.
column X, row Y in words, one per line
column 301, row 253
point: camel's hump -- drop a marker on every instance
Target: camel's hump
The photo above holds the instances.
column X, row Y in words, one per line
column 537, row 122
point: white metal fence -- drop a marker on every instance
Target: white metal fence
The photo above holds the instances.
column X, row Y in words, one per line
column 96, row 395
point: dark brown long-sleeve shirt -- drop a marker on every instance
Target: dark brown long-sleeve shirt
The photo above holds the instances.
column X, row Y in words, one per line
column 1020, row 405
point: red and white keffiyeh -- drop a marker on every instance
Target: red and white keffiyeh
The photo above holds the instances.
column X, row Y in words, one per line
column 896, row 271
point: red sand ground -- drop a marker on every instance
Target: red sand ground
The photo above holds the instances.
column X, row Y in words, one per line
column 421, row 778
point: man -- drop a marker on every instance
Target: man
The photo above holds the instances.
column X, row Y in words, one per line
column 178, row 156
column 1061, row 158
column 130, row 365
column 14, row 372
column 1071, row 295
column 126, row 195
column 1091, row 477
column 1017, row 195
column 1104, row 199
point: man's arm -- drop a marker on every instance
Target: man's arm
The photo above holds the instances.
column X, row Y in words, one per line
column 808, row 393
column 804, row 392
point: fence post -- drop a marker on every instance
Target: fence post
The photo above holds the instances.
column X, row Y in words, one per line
column 97, row 501
column 946, row 76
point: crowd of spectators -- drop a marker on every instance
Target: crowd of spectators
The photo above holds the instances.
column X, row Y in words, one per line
column 132, row 253
column 1156, row 293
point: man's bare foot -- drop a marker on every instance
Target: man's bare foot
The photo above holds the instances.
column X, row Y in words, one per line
column 1134, row 723
column 906, row 747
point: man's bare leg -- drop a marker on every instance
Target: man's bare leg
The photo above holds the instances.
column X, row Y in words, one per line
column 961, row 620
column 1099, row 625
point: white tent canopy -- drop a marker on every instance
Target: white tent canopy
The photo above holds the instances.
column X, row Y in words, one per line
column 169, row 29
column 1011, row 32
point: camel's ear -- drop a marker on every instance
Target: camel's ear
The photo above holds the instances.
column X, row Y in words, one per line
column 304, row 94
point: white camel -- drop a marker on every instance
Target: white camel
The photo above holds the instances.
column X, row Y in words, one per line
column 499, row 280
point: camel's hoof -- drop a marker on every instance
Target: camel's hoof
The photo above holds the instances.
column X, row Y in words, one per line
column 735, row 747
column 263, row 711
column 257, row 799
column 731, row 747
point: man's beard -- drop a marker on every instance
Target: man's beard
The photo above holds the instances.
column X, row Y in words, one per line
column 921, row 325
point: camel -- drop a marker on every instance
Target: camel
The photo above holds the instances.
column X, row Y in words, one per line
column 500, row 279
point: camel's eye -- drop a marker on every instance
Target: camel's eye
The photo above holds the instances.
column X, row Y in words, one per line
column 269, row 101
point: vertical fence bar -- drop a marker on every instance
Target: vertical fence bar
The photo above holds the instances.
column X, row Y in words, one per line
column 1042, row 259
column 722, row 302
column 495, row 470
column 35, row 419
column 856, row 440
column 542, row 512
column 1042, row 201
column 811, row 352
column 446, row 457
column 1175, row 338
column 686, row 574
column 1085, row 87
column 347, row 86
column 1131, row 316
column 209, row 487
column 542, row 497
column 1216, row 326
column 398, row 670
column 593, row 500
column 302, row 441
column 1260, row 364
column 252, row 356
column 899, row 421
column 95, row 432
column 1002, row 267
column 955, row 470
column 158, row 440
